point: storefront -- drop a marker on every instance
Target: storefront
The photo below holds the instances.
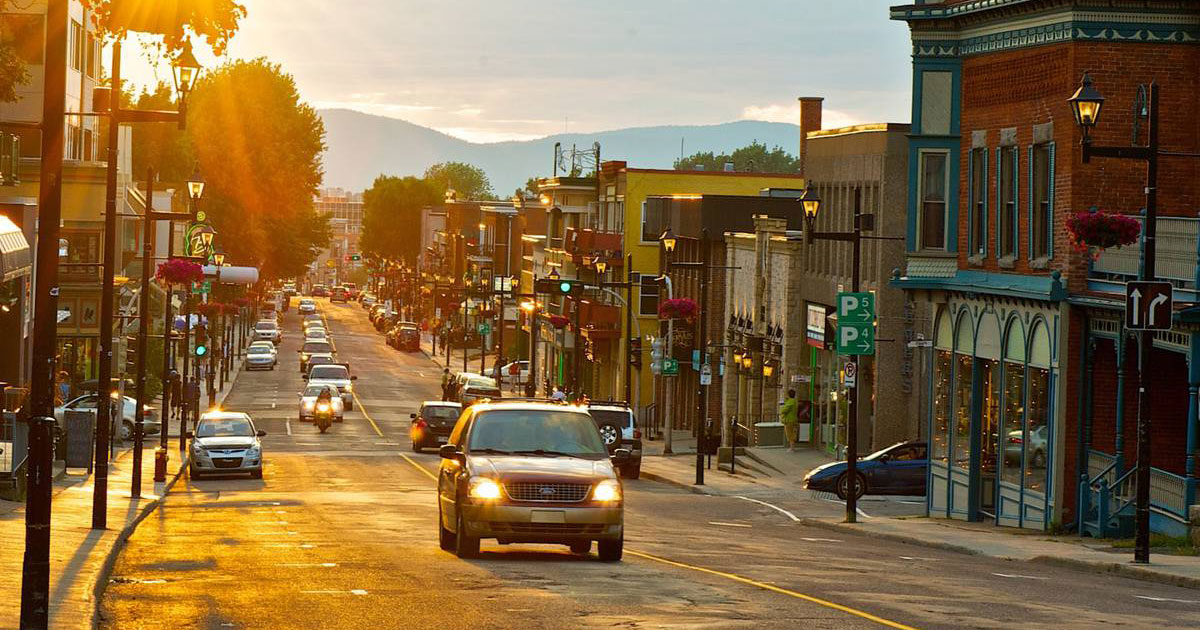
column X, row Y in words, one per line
column 992, row 427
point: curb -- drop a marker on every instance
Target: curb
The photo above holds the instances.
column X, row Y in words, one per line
column 118, row 546
column 1115, row 568
column 650, row 476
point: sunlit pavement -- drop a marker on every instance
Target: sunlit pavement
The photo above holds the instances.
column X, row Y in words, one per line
column 340, row 533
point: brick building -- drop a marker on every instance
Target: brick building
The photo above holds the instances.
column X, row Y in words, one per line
column 1032, row 387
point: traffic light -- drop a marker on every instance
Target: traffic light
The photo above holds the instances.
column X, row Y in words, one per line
column 355, row 257
column 201, row 341
column 559, row 286
column 656, row 355
column 635, row 352
column 131, row 354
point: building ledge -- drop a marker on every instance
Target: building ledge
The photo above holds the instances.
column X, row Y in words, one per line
column 1001, row 284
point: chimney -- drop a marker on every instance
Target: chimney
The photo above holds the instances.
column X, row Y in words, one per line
column 810, row 120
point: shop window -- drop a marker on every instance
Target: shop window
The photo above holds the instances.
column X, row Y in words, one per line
column 961, row 455
column 932, row 195
column 978, row 202
column 1013, row 438
column 939, row 444
column 1041, row 200
column 1037, row 431
column 1006, row 192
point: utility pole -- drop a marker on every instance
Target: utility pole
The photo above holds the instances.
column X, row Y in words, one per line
column 139, row 421
column 629, row 331
column 702, row 343
column 35, row 572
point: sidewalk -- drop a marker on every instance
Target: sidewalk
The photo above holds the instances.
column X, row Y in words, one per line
column 82, row 558
column 788, row 468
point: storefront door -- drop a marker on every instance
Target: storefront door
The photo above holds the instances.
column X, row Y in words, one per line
column 989, row 434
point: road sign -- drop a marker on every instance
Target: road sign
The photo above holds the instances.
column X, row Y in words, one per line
column 1148, row 305
column 850, row 374
column 856, row 338
column 855, row 308
column 205, row 287
column 484, row 328
column 330, row 263
column 706, row 374
column 670, row 367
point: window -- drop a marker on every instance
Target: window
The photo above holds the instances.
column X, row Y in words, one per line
column 1006, row 190
column 1036, row 434
column 647, row 294
column 92, row 52
column 83, row 246
column 940, row 439
column 1013, row 439
column 933, row 201
column 963, row 399
column 653, row 222
column 1041, row 193
column 77, row 45
column 978, row 191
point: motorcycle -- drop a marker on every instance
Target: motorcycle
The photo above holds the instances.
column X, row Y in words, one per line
column 323, row 416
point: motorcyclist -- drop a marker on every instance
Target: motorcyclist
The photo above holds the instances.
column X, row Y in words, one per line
column 325, row 397
column 324, row 402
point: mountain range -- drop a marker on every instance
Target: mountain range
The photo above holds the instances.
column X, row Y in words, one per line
column 363, row 146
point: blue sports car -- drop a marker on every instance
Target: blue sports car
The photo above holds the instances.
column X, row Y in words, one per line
column 897, row 469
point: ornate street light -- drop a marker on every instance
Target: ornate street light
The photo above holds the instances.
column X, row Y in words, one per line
column 554, row 274
column 747, row 361
column 195, row 185
column 811, row 202
column 601, row 267
column 668, row 240
column 1086, row 104
column 768, row 369
column 737, row 357
column 186, row 70
column 219, row 259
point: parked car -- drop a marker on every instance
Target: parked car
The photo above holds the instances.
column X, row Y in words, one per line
column 404, row 336
column 88, row 402
column 525, row 472
column 226, row 442
column 1015, row 442
column 514, row 373
column 261, row 355
column 337, row 375
column 351, row 290
column 313, row 347
column 268, row 330
column 307, row 306
column 432, row 424
column 367, row 300
column 320, row 290
column 308, row 401
column 470, row 387
column 375, row 312
column 898, row 469
column 618, row 427
column 339, row 294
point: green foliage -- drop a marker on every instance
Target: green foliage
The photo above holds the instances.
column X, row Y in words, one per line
column 214, row 20
column 754, row 158
column 13, row 70
column 391, row 213
column 531, row 187
column 161, row 146
column 467, row 181
column 259, row 149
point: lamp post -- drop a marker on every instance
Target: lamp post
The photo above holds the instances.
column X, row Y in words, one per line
column 531, row 309
column 1086, row 105
column 668, row 242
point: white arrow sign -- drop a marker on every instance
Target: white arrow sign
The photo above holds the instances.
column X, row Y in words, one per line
column 1136, row 296
column 1153, row 307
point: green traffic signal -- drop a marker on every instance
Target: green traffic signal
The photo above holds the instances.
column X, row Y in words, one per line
column 564, row 287
column 201, row 350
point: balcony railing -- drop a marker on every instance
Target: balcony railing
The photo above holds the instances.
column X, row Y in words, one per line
column 1177, row 257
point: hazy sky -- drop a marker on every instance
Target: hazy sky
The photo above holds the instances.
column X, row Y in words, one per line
column 489, row 70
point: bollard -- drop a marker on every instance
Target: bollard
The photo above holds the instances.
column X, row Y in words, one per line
column 160, row 464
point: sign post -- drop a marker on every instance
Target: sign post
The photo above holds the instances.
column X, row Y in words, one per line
column 1148, row 305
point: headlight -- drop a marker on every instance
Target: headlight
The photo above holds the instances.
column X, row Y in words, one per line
column 303, row 357
column 252, row 452
column 308, row 404
column 349, row 388
column 483, row 488
column 323, row 407
column 198, row 447
column 607, row 490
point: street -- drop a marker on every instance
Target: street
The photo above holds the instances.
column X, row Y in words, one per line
column 340, row 533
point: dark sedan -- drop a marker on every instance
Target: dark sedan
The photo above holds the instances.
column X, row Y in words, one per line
column 431, row 426
column 898, row 469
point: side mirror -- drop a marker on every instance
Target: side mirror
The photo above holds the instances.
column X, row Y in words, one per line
column 190, row 435
column 413, row 416
column 261, row 433
column 354, row 378
column 449, row 451
column 622, row 456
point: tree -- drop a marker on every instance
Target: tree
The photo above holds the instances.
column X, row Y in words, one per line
column 467, row 181
column 213, row 20
column 17, row 48
column 259, row 149
column 753, row 158
column 391, row 208
column 161, row 146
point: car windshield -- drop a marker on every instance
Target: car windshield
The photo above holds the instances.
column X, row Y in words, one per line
column 881, row 452
column 608, row 416
column 441, row 412
column 265, row 326
column 259, row 350
column 315, row 390
column 525, row 430
column 224, row 427
column 481, row 382
column 317, row 346
column 329, row 372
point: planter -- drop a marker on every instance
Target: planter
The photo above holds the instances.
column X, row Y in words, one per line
column 678, row 308
column 1092, row 232
column 178, row 271
column 558, row 321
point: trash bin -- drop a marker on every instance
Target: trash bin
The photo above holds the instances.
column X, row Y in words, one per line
column 769, row 434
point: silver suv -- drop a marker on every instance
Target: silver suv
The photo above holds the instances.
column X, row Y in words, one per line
column 618, row 426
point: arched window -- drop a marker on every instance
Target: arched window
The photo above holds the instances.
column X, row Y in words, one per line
column 1012, row 438
column 1037, row 430
column 943, row 371
column 964, row 347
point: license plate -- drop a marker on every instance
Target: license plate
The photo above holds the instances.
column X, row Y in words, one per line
column 441, row 439
column 548, row 516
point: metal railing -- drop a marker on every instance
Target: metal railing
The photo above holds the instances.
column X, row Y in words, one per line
column 1104, row 496
column 1175, row 258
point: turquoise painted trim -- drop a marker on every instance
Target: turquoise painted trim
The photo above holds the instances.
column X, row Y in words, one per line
column 1000, row 253
column 980, row 248
column 1050, row 211
column 1119, row 421
column 919, row 142
column 1193, row 420
column 1029, row 202
column 988, row 283
column 1083, row 416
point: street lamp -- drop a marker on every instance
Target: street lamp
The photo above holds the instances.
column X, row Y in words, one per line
column 219, row 259
column 554, row 274
column 195, row 186
column 768, row 369
column 1086, row 104
column 737, row 357
column 601, row 267
column 811, row 202
column 668, row 240
column 186, row 69
column 747, row 361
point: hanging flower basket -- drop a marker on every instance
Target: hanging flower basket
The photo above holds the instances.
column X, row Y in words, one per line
column 242, row 302
column 179, row 271
column 678, row 308
column 558, row 321
column 487, row 313
column 1092, row 232
column 208, row 309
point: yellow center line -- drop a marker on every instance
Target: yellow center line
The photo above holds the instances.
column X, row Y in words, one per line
column 365, row 414
column 419, row 467
column 770, row 587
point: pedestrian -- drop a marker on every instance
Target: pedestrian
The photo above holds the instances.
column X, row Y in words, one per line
column 558, row 394
column 63, row 388
column 788, row 416
column 175, row 392
column 445, row 383
column 192, row 398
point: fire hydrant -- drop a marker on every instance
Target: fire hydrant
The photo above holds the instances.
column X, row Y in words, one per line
column 160, row 464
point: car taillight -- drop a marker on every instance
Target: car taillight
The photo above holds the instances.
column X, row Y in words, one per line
column 637, row 434
column 421, row 424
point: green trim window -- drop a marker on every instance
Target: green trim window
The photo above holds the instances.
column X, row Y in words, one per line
column 977, row 176
column 933, row 199
column 1006, row 201
column 1041, row 201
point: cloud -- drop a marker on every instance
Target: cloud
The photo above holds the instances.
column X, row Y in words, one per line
column 790, row 113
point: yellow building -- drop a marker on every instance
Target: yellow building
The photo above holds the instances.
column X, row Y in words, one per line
column 623, row 193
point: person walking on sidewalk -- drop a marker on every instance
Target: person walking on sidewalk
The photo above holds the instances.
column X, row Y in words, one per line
column 788, row 415
column 445, row 383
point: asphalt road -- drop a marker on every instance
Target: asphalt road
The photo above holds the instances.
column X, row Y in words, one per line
column 340, row 533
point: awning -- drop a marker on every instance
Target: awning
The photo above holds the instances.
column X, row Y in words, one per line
column 15, row 260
